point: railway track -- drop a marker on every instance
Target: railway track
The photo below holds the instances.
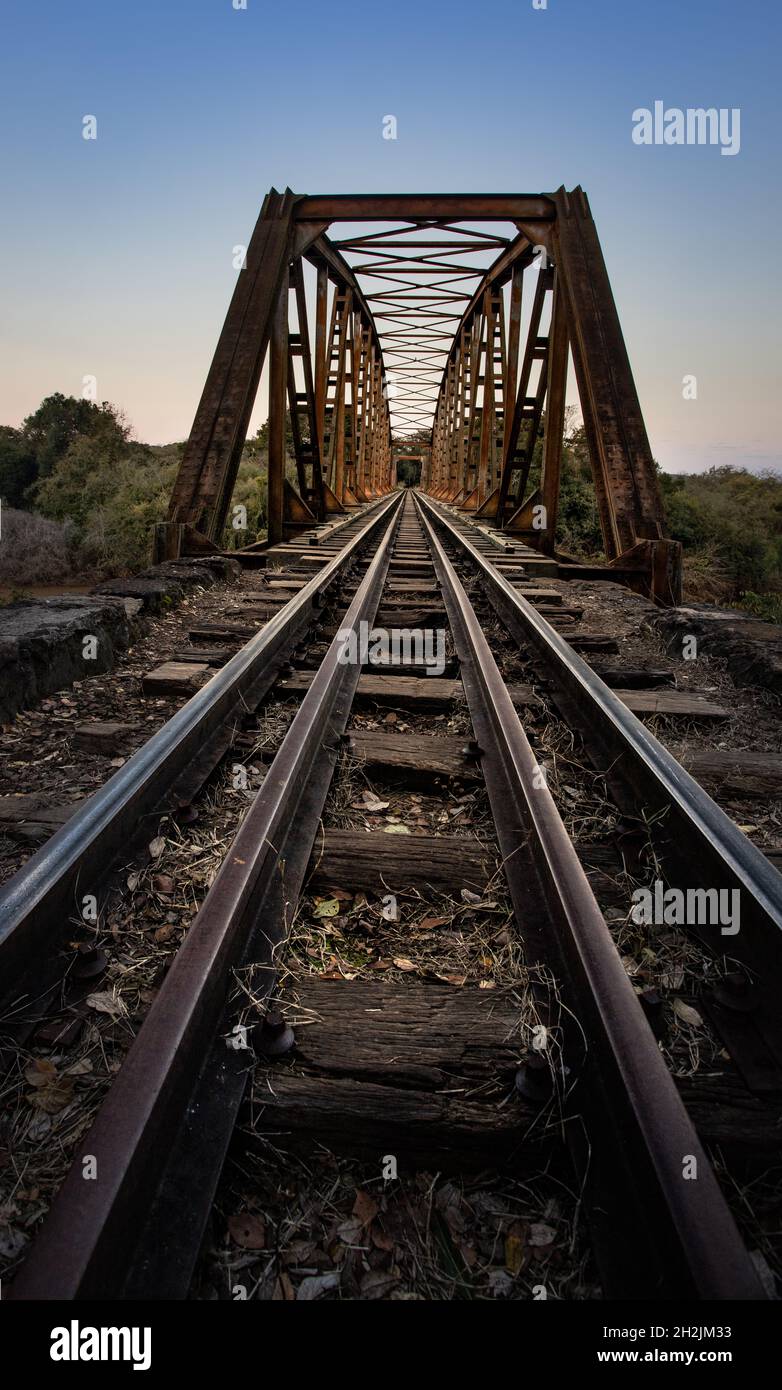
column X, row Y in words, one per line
column 563, row 1056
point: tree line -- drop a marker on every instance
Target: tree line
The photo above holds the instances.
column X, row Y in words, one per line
column 74, row 465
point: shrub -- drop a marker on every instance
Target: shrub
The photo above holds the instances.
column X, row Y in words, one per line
column 33, row 549
column 765, row 606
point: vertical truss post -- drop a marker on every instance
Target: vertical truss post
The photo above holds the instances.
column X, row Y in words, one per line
column 487, row 411
column 463, row 406
column 377, row 429
column 555, row 418
column 278, row 380
column 371, row 448
column 494, row 410
column 361, row 412
column 454, row 423
column 511, row 380
column 340, row 395
column 437, row 448
column 303, row 403
column 321, row 310
column 529, row 409
column 202, row 490
column 473, row 435
column 449, row 425
column 632, row 508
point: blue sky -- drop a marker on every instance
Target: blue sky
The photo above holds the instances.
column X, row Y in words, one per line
column 116, row 254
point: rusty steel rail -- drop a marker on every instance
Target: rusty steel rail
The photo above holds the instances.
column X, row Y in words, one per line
column 699, row 842
column 160, row 1137
column 684, row 1240
column 38, row 900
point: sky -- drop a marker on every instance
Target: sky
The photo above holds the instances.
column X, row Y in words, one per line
column 116, row 254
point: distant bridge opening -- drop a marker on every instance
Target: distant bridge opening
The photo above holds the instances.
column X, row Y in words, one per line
column 408, row 469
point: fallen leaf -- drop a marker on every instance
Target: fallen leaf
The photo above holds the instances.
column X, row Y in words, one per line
column 40, row 1072
column 157, row 846
column 687, row 1014
column 39, row 1127
column 350, row 1231
column 396, row 830
column 247, row 1230
column 487, row 984
column 402, row 963
column 541, row 1234
column 54, row 1095
column 672, row 979
column 457, row 980
column 163, row 883
column 80, row 1068
column 316, row 1285
column 326, row 907
column 365, row 1208
column 106, row 1003
column 515, row 1243
column 370, row 802
column 429, row 923
column 380, row 1239
column 376, row 1284
column 468, row 897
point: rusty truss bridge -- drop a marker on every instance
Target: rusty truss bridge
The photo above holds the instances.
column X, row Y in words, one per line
column 439, row 326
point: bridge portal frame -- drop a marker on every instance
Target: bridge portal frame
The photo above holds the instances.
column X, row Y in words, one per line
column 486, row 419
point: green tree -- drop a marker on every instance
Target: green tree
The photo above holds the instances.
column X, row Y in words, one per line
column 17, row 466
column 60, row 420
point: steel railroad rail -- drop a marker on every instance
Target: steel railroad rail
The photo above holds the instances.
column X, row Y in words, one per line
column 164, row 772
column 698, row 843
column 690, row 1241
column 161, row 1135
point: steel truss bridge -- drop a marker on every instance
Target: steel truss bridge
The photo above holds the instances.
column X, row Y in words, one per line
column 453, row 314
